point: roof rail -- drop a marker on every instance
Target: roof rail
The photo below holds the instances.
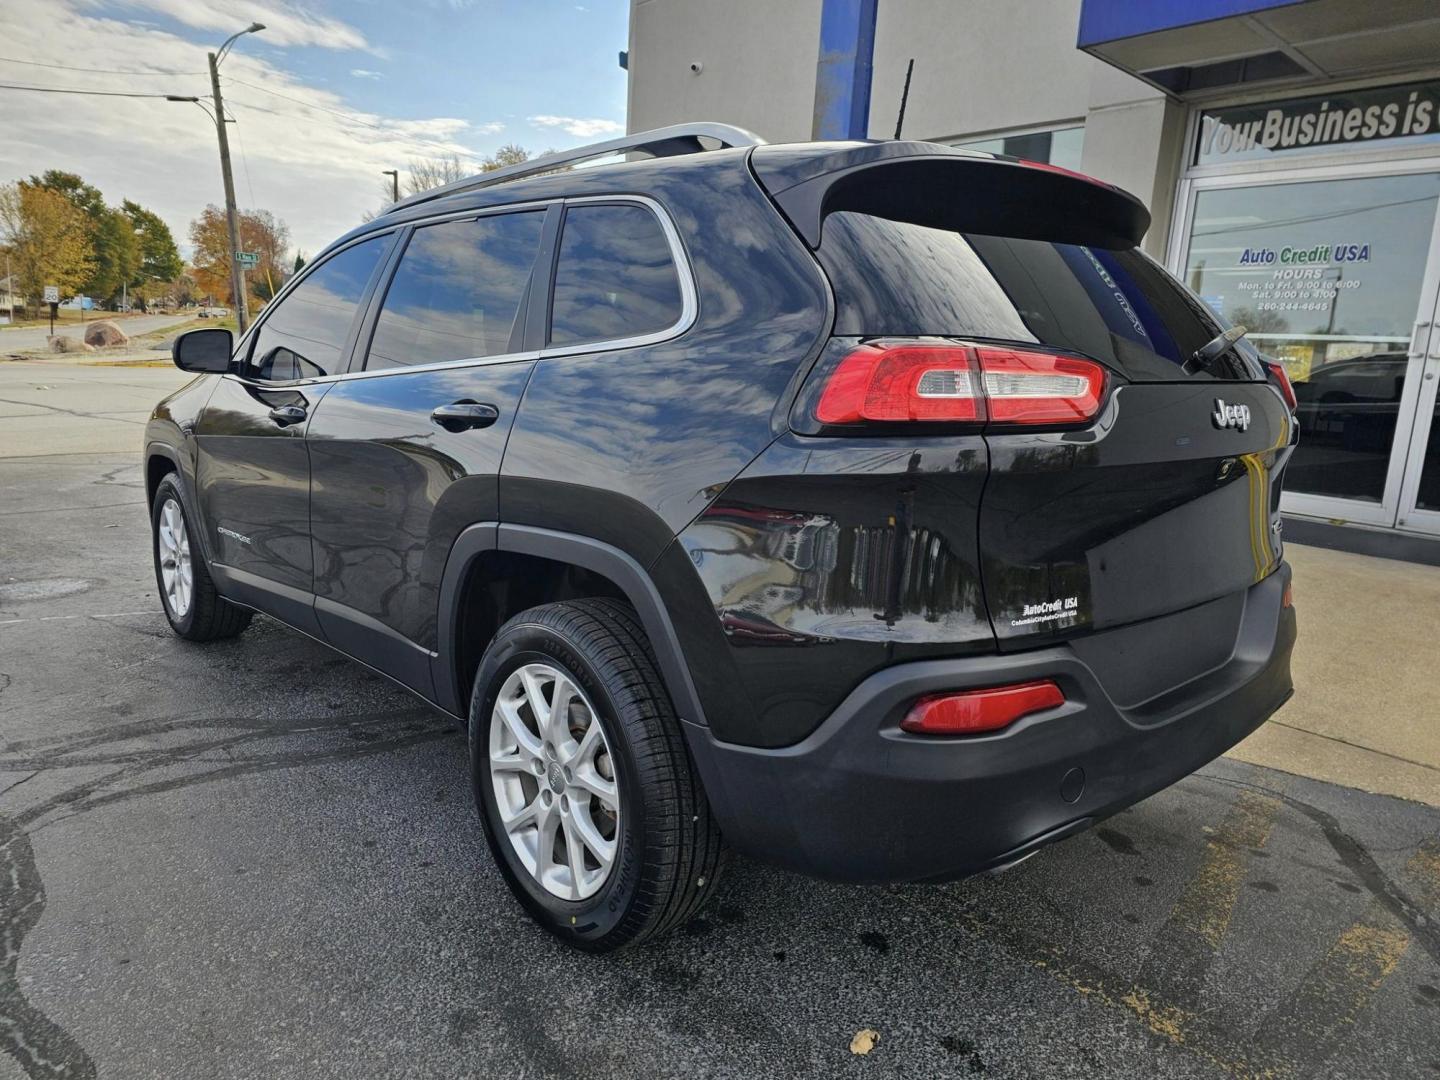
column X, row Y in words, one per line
column 662, row 142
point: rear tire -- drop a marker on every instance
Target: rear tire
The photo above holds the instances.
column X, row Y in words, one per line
column 194, row 609
column 632, row 777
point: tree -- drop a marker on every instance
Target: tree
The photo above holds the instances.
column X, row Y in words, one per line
column 47, row 238
column 159, row 258
column 427, row 174
column 509, row 154
column 260, row 231
column 112, row 240
column 183, row 289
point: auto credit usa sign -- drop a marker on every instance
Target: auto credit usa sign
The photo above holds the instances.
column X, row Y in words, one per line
column 1396, row 114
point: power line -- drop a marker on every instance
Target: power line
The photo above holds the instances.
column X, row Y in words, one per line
column 98, row 71
column 69, row 90
column 244, row 163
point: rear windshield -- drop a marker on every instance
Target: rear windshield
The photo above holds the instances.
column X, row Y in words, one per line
column 895, row 278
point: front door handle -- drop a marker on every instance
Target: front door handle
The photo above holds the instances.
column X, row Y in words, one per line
column 463, row 415
column 285, row 415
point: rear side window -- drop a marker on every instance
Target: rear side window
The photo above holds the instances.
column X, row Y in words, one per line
column 457, row 291
column 1120, row 307
column 615, row 277
column 304, row 335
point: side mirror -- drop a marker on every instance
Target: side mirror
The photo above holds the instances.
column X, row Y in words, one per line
column 203, row 351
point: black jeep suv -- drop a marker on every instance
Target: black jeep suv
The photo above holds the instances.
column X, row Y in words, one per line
column 877, row 509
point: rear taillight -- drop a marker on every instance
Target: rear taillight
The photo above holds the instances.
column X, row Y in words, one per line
column 902, row 382
column 972, row 712
column 1281, row 378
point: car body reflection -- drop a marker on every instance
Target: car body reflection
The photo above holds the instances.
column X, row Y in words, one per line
column 1347, row 412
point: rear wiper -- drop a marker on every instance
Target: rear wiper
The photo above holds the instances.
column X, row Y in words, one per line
column 1212, row 350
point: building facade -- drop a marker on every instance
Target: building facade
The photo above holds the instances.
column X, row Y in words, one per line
column 1288, row 150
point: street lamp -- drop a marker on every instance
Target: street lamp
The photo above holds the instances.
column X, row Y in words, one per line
column 394, row 175
column 232, row 216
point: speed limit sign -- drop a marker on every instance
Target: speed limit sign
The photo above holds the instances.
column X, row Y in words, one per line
column 52, row 294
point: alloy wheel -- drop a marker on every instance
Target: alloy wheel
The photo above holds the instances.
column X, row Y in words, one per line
column 554, row 781
column 177, row 575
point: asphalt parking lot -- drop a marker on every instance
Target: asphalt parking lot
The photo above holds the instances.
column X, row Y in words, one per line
column 256, row 859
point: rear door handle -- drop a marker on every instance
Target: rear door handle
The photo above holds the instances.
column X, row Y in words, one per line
column 463, row 415
column 285, row 415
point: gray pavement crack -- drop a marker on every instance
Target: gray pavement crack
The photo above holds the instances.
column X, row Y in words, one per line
column 1354, row 745
column 1354, row 856
column 69, row 509
column 39, row 1045
column 72, row 412
column 44, row 1049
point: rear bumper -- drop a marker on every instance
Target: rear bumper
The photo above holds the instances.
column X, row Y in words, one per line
column 860, row 800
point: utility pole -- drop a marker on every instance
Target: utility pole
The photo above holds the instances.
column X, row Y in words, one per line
column 394, row 175
column 232, row 216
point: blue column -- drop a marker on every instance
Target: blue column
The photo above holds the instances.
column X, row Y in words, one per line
column 842, row 76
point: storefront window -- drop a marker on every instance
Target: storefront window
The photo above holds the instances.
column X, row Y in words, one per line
column 1059, row 146
column 1326, row 275
column 1375, row 118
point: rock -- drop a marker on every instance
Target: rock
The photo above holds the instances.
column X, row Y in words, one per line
column 64, row 343
column 103, row 333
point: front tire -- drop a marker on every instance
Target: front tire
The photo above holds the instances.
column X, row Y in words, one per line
column 194, row 609
column 592, row 810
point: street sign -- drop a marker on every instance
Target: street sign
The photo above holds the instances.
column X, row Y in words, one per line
column 52, row 294
column 248, row 260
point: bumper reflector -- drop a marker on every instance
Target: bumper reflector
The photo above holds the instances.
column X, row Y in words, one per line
column 972, row 712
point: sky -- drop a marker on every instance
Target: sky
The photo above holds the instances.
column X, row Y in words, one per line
column 324, row 99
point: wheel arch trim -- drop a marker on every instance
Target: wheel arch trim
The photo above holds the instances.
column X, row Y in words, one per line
column 157, row 449
column 582, row 551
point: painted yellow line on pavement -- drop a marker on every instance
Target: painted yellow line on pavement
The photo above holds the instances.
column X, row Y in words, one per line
column 1307, row 1027
column 1208, row 902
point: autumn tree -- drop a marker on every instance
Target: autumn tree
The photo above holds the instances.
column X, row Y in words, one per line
column 261, row 232
column 47, row 238
column 114, row 248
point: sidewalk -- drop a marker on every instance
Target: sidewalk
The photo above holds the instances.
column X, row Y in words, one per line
column 1366, row 710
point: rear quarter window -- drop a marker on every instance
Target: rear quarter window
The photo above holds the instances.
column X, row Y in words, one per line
column 896, row 278
column 615, row 277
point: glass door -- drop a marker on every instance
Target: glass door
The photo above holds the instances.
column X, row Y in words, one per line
column 1420, row 489
column 1335, row 275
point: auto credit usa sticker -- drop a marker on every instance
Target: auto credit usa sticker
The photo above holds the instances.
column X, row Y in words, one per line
column 1065, row 607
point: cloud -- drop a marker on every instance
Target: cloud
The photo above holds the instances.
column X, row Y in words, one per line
column 583, row 128
column 287, row 24
column 366, row 73
column 300, row 151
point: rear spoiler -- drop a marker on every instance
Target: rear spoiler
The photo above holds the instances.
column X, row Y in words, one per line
column 946, row 188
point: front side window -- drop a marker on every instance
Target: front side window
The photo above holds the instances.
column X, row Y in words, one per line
column 457, row 292
column 304, row 336
column 615, row 277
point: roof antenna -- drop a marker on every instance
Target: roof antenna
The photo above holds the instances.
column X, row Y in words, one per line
column 904, row 97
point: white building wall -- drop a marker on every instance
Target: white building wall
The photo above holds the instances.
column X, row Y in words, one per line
column 982, row 68
column 757, row 62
